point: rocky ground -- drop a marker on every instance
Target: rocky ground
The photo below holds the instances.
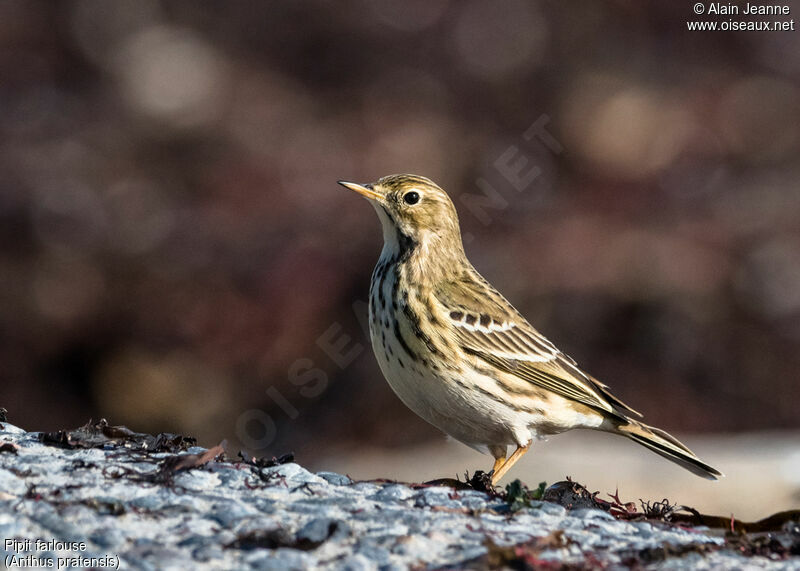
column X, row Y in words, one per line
column 105, row 496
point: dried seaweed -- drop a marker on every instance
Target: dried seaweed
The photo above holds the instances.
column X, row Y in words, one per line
column 572, row 496
column 265, row 462
column 258, row 467
column 168, row 467
column 101, row 434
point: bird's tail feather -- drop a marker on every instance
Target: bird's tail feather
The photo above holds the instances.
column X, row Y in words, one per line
column 667, row 446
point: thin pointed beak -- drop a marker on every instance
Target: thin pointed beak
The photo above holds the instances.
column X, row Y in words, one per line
column 365, row 191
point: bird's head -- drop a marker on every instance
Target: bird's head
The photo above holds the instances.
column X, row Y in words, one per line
column 414, row 211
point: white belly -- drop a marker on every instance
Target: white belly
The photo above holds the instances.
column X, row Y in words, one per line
column 443, row 398
column 467, row 405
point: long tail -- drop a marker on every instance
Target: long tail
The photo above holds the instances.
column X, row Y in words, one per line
column 667, row 446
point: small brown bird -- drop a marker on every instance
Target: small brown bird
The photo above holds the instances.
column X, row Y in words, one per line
column 459, row 355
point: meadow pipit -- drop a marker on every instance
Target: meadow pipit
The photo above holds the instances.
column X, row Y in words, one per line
column 459, row 355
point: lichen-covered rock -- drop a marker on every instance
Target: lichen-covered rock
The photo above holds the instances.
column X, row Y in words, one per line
column 143, row 509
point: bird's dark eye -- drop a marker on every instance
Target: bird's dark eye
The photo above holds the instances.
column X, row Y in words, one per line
column 411, row 197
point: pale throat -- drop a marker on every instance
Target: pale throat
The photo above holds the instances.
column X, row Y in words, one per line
column 391, row 245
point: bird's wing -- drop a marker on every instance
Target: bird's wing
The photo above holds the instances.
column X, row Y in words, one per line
column 488, row 327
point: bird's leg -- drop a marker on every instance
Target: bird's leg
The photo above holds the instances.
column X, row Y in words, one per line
column 498, row 473
column 499, row 453
column 498, row 462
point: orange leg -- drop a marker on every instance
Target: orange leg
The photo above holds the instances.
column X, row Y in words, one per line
column 500, row 471
column 498, row 462
column 499, row 453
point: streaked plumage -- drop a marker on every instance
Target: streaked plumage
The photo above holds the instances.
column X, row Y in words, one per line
column 459, row 355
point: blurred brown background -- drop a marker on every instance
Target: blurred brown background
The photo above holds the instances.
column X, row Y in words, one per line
column 175, row 253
